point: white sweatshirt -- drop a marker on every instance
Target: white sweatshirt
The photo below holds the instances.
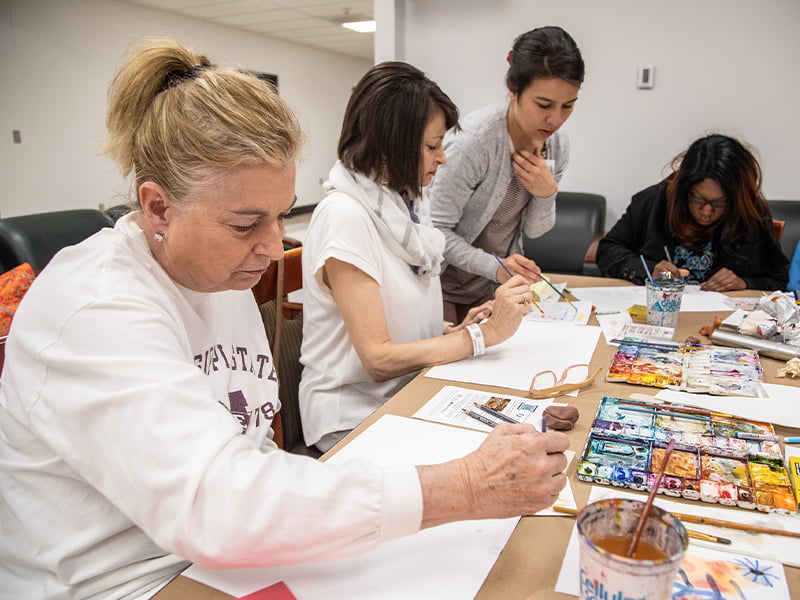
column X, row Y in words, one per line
column 135, row 435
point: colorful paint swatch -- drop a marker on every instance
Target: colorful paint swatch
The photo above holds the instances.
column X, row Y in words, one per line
column 710, row 463
column 700, row 369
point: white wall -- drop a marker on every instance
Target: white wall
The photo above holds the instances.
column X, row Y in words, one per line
column 720, row 65
column 57, row 59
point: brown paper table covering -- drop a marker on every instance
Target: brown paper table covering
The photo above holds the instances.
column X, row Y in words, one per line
column 529, row 564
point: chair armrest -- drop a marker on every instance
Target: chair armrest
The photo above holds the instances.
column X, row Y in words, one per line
column 591, row 251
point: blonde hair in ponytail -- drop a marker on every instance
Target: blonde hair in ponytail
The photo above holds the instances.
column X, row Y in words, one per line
column 176, row 119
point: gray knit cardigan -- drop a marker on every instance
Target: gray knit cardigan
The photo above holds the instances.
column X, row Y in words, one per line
column 467, row 191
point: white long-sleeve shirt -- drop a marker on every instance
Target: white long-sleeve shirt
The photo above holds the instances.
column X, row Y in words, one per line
column 135, row 435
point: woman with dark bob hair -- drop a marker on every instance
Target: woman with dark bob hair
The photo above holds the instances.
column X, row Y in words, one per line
column 503, row 171
column 371, row 260
column 708, row 221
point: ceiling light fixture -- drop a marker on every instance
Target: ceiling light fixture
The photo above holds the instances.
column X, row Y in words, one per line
column 361, row 26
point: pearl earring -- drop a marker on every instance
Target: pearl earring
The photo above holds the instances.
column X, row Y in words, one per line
column 158, row 236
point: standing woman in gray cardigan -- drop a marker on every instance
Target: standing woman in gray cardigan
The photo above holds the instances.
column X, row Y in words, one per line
column 503, row 169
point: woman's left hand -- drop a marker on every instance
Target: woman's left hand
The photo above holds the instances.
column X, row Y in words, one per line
column 723, row 280
column 534, row 173
column 476, row 314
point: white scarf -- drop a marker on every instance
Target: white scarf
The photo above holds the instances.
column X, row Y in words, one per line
column 418, row 244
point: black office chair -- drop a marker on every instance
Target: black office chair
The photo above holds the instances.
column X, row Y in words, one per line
column 580, row 219
column 116, row 212
column 789, row 212
column 36, row 238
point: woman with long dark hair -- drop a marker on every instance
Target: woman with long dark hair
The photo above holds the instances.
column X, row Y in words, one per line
column 708, row 221
column 503, row 170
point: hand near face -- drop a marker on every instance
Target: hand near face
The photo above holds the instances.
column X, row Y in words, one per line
column 534, row 173
column 723, row 280
column 518, row 265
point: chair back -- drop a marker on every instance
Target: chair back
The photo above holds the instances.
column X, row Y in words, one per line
column 36, row 238
column 787, row 211
column 283, row 322
column 580, row 219
column 291, row 278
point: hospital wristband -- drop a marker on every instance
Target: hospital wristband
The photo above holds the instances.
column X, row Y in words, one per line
column 478, row 343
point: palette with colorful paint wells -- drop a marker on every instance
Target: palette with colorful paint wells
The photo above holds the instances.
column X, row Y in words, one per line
column 718, row 458
column 700, row 369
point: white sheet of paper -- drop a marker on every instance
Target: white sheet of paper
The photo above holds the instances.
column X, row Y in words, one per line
column 535, row 347
column 779, row 407
column 450, row 561
column 564, row 312
column 448, row 404
column 735, row 318
column 615, row 299
column 621, row 326
column 568, row 582
column 790, row 450
column 696, row 300
column 611, row 299
column 612, row 324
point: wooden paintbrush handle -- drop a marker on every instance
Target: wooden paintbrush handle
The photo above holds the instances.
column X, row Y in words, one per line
column 734, row 525
column 691, row 533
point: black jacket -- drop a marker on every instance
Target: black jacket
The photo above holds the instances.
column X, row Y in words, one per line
column 643, row 230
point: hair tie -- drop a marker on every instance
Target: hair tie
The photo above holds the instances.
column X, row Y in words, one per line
column 176, row 77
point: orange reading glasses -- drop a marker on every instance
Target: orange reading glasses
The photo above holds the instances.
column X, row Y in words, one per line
column 559, row 388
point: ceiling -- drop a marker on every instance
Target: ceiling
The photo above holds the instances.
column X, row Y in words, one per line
column 312, row 22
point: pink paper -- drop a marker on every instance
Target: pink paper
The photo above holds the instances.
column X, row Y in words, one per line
column 277, row 591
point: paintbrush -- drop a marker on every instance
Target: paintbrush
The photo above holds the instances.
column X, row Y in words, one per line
column 734, row 525
column 671, row 408
column 698, row 535
column 510, row 274
column 637, row 534
column 665, row 413
column 556, row 290
column 684, row 409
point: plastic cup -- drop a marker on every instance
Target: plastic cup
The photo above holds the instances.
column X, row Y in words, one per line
column 664, row 301
column 605, row 574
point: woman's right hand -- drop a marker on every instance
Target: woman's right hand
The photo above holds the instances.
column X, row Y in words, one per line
column 518, row 265
column 515, row 471
column 667, row 267
column 512, row 301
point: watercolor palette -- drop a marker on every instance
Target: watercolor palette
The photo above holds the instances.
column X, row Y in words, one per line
column 717, row 458
column 700, row 369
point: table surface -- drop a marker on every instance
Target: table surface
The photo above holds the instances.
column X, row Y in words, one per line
column 525, row 569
